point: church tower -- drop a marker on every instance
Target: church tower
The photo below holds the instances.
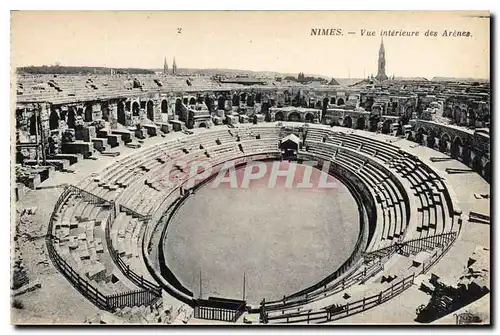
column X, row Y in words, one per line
column 165, row 66
column 174, row 68
column 381, row 76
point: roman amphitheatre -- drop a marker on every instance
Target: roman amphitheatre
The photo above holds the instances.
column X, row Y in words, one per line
column 111, row 227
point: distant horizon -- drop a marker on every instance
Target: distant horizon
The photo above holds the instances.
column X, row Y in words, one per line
column 179, row 69
column 281, row 41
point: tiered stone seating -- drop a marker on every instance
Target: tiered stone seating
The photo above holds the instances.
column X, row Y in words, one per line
column 214, row 146
column 136, row 182
column 104, row 86
column 126, row 237
column 124, row 171
column 218, row 154
column 391, row 210
column 80, row 240
column 429, row 189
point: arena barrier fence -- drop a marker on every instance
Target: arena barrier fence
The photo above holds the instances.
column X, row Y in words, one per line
column 160, row 218
column 155, row 221
column 341, row 278
column 87, row 196
column 412, row 247
column 219, row 309
column 327, row 290
column 134, row 213
column 124, row 267
column 132, row 298
column 339, row 311
column 81, row 283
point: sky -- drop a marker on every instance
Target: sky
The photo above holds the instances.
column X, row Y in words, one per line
column 252, row 40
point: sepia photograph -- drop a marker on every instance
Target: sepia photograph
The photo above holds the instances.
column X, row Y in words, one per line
column 219, row 168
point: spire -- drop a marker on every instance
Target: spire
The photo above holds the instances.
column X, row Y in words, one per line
column 165, row 66
column 381, row 76
column 174, row 67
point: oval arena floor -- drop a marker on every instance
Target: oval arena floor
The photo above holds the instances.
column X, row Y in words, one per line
column 297, row 237
column 288, row 246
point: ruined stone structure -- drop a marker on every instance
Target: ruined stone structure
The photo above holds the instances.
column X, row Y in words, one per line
column 67, row 115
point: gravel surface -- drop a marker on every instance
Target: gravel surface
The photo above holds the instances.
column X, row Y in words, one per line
column 283, row 239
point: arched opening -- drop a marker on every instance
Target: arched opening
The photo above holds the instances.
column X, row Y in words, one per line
column 178, row 106
column 164, row 106
column 294, row 116
column 287, row 98
column 463, row 117
column 368, row 103
column 63, row 114
column 236, row 99
column 79, row 111
column 340, row 101
column 477, row 165
column 121, row 113
column 309, row 117
column 325, row 103
column 443, row 142
column 447, row 112
column 135, row 108
column 250, row 100
column 279, row 116
column 431, row 139
column 71, row 117
column 324, row 108
column 419, row 135
column 347, row 122
column 192, row 101
column 456, row 115
column 311, row 103
column 386, row 127
column 53, row 120
column 105, row 110
column 455, row 147
column 243, row 97
column 332, row 100
column 472, row 118
column 258, row 98
column 465, row 154
column 202, row 125
column 318, row 104
column 150, row 111
column 409, row 136
column 264, row 108
column 221, row 101
column 374, row 120
column 209, row 102
column 409, row 112
column 34, row 125
column 88, row 113
column 393, row 105
column 487, row 172
column 360, row 123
